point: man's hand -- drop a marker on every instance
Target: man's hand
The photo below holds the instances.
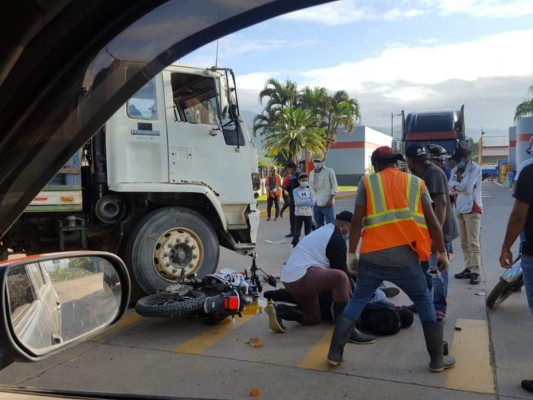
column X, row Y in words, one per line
column 506, row 259
column 329, row 203
column 353, row 263
column 443, row 262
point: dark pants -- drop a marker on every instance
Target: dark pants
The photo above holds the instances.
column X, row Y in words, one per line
column 271, row 200
column 299, row 221
column 286, row 204
column 306, row 290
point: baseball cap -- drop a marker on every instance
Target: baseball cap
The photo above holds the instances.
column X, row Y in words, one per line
column 345, row 216
column 385, row 153
column 417, row 151
column 459, row 153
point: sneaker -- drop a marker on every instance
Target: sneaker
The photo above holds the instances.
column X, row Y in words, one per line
column 274, row 320
column 465, row 274
column 268, row 219
column 474, row 279
column 275, row 219
column 527, row 385
column 289, row 235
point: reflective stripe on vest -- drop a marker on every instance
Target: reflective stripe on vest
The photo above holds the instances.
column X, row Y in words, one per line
column 394, row 215
column 382, row 216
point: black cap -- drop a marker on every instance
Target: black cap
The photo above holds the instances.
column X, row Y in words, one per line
column 417, row 151
column 344, row 216
column 460, row 152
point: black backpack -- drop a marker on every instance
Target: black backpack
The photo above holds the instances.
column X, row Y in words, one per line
column 380, row 318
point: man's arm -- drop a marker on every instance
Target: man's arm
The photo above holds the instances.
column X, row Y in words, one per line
column 334, row 187
column 356, row 227
column 470, row 179
column 439, row 206
column 516, row 223
column 434, row 227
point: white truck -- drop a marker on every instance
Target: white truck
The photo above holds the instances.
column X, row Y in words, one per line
column 170, row 177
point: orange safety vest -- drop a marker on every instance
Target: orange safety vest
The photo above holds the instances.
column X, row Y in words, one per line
column 394, row 215
column 277, row 184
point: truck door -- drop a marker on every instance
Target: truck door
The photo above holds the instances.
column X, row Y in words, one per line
column 199, row 151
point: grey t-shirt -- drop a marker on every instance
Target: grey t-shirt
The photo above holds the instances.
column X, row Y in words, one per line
column 399, row 256
column 436, row 183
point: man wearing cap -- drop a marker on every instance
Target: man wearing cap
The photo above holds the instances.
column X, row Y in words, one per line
column 418, row 162
column 317, row 264
column 323, row 183
column 273, row 189
column 465, row 182
column 395, row 222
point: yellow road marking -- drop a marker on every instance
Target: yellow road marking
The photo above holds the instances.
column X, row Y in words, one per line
column 473, row 370
column 128, row 319
column 206, row 339
column 316, row 359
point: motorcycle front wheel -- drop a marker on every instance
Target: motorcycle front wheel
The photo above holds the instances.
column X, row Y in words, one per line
column 502, row 291
column 156, row 305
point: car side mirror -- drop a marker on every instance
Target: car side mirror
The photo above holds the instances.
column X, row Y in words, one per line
column 57, row 300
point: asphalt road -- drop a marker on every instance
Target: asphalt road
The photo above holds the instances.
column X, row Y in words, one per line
column 183, row 357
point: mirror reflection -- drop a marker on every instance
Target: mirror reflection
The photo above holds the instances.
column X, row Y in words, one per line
column 56, row 301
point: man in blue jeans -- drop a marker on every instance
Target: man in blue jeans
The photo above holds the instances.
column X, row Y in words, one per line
column 323, row 183
column 521, row 218
column 395, row 223
column 419, row 163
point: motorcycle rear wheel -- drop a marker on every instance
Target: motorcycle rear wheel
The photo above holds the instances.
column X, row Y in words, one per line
column 501, row 292
column 156, row 305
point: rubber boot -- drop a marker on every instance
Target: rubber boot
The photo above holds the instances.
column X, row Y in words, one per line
column 434, row 344
column 343, row 328
column 356, row 336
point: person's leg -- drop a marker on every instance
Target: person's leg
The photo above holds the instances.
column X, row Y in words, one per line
column 286, row 203
column 318, row 217
column 527, row 269
column 269, row 207
column 307, row 225
column 297, row 230
column 463, row 236
column 291, row 215
column 316, row 280
column 473, row 226
column 276, row 204
column 329, row 214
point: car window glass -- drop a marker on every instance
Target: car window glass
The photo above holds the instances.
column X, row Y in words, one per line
column 195, row 98
column 37, row 275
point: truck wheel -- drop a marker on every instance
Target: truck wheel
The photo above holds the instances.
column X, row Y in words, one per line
column 170, row 243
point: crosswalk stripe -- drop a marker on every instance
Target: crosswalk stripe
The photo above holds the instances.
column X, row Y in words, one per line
column 470, row 347
column 316, row 359
column 211, row 335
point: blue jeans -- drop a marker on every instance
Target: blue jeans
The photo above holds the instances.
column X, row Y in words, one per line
column 527, row 269
column 323, row 213
column 437, row 284
column 411, row 279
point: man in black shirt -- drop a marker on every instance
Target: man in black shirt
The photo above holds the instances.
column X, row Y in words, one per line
column 522, row 218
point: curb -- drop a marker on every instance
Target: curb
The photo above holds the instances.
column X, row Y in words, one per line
column 350, row 193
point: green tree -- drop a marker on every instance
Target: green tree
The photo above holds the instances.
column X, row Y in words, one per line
column 295, row 130
column 525, row 108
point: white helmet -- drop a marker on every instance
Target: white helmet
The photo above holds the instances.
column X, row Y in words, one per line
column 437, row 152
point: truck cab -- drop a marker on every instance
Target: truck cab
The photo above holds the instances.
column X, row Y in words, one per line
column 170, row 178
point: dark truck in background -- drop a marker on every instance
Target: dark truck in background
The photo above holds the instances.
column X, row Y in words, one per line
column 443, row 127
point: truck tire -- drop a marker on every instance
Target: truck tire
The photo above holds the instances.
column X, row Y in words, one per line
column 159, row 306
column 170, row 243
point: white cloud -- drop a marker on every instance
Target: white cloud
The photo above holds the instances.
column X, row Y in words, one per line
column 505, row 54
column 348, row 11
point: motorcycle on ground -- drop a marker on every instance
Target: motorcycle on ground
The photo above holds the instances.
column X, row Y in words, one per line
column 510, row 282
column 211, row 298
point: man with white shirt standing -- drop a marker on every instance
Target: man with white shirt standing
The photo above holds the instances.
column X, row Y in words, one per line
column 465, row 182
column 323, row 183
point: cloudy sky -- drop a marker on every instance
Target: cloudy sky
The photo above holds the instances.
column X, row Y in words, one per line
column 393, row 55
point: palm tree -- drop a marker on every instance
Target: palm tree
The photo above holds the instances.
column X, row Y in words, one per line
column 280, row 96
column 525, row 108
column 296, row 130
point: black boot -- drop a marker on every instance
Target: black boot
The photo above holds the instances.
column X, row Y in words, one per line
column 433, row 335
column 279, row 312
column 356, row 336
column 343, row 328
